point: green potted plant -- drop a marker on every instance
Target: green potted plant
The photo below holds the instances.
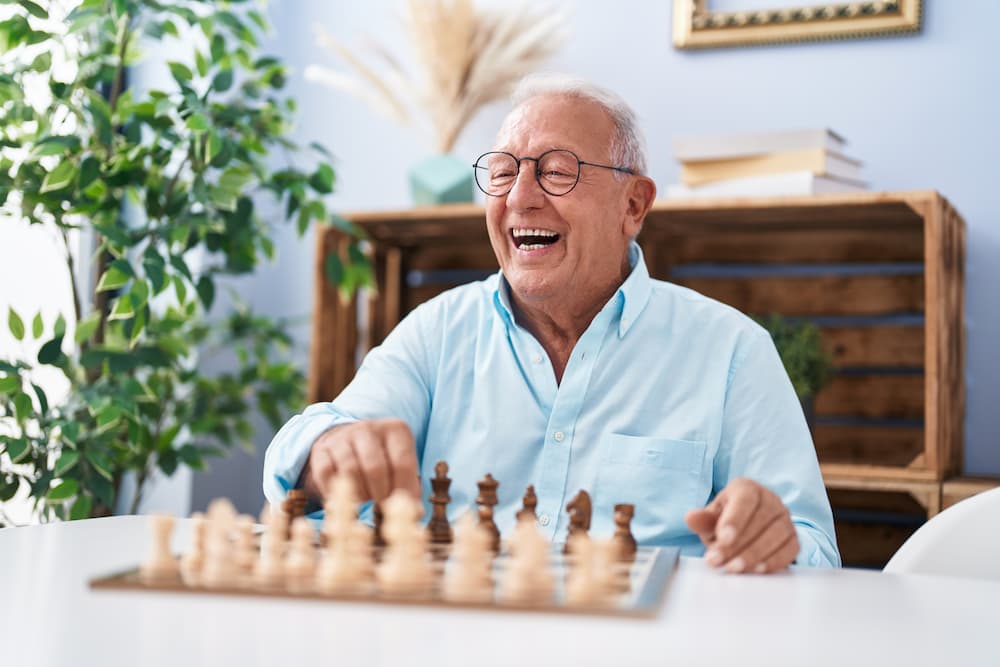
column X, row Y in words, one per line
column 808, row 366
column 169, row 182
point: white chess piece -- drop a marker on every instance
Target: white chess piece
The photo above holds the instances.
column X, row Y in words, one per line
column 347, row 565
column 300, row 564
column 528, row 578
column 161, row 566
column 245, row 551
column 193, row 561
column 220, row 569
column 270, row 570
column 469, row 576
column 405, row 568
column 582, row 585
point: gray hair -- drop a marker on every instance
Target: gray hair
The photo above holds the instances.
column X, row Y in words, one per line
column 628, row 147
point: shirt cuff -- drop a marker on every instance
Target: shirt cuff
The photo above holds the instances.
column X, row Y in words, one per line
column 815, row 549
column 288, row 452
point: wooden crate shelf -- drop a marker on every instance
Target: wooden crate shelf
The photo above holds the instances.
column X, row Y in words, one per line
column 882, row 274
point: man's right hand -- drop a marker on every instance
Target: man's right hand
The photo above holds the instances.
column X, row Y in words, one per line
column 379, row 455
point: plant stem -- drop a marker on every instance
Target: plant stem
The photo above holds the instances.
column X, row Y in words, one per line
column 71, row 266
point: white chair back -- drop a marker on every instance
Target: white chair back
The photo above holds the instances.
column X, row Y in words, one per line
column 963, row 540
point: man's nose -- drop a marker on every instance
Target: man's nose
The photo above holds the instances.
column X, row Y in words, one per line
column 526, row 190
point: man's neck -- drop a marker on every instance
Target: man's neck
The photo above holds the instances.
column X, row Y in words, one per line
column 559, row 323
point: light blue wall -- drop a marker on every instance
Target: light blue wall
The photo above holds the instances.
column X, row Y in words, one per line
column 921, row 111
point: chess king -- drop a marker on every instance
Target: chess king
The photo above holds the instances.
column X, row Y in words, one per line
column 572, row 369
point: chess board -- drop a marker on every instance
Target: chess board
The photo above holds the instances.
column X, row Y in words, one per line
column 643, row 586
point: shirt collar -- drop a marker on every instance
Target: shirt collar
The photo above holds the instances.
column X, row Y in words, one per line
column 634, row 293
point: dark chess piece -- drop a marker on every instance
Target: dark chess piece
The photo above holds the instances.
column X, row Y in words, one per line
column 294, row 506
column 529, row 503
column 487, row 500
column 623, row 532
column 579, row 509
column 438, row 526
column 377, row 539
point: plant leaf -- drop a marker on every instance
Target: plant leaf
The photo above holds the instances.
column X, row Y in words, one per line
column 86, row 327
column 60, row 177
column 63, row 491
column 66, row 461
column 37, row 326
column 15, row 324
column 51, row 351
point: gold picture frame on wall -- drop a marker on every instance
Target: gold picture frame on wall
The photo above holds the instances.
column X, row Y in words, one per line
column 697, row 25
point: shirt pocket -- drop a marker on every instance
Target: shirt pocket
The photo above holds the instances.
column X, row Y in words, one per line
column 662, row 477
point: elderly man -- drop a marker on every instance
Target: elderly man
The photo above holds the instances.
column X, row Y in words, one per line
column 572, row 369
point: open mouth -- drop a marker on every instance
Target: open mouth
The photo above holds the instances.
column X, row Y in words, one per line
column 533, row 239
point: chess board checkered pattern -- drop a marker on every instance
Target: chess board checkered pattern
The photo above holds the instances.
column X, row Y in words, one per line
column 643, row 585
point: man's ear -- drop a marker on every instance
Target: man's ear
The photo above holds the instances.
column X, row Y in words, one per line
column 641, row 194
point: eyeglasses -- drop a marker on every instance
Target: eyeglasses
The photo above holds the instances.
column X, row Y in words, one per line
column 557, row 171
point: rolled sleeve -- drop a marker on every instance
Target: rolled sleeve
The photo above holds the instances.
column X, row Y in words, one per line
column 289, row 450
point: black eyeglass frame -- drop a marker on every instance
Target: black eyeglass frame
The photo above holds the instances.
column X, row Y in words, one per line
column 538, row 171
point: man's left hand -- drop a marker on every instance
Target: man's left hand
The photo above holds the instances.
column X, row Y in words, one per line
column 746, row 528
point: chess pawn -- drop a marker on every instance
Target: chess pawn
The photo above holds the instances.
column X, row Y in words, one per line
column 347, row 565
column 609, row 578
column 529, row 578
column 269, row 573
column 581, row 587
column 528, row 504
column 160, row 567
column 193, row 561
column 245, row 551
column 469, row 576
column 623, row 532
column 220, row 569
column 405, row 569
column 300, row 564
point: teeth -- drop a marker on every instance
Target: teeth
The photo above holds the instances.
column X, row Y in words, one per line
column 532, row 246
column 533, row 232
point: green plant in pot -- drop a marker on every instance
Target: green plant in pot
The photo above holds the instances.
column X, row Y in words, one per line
column 169, row 183
column 808, row 366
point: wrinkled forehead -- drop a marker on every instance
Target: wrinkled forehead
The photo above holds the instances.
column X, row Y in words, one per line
column 556, row 121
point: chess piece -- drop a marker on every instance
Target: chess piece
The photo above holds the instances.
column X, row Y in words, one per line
column 487, row 500
column 469, row 577
column 405, row 569
column 269, row 572
column 294, row 506
column 300, row 564
column 623, row 532
column 581, row 587
column 528, row 503
column 579, row 509
column 160, row 567
column 245, row 551
column 193, row 561
column 347, row 560
column 438, row 527
column 220, row 570
column 528, row 579
column 378, row 540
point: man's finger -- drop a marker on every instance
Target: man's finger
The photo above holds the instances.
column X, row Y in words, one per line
column 374, row 467
column 402, row 457
column 740, row 506
column 765, row 542
column 781, row 558
column 702, row 522
column 346, row 463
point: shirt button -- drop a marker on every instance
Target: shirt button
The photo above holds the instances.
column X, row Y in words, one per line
column 537, row 358
column 558, row 435
column 544, row 519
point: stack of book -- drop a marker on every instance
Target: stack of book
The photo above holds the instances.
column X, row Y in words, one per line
column 792, row 162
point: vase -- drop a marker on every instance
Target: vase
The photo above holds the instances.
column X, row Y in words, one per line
column 442, row 179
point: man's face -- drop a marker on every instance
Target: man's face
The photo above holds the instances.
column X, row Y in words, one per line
column 587, row 257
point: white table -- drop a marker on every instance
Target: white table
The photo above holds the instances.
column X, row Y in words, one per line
column 49, row 616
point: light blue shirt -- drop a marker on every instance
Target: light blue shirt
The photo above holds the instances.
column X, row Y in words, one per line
column 666, row 398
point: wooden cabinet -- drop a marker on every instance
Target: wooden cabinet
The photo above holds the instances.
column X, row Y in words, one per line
column 881, row 273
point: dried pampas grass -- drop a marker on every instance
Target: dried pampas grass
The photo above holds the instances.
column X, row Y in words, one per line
column 465, row 58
